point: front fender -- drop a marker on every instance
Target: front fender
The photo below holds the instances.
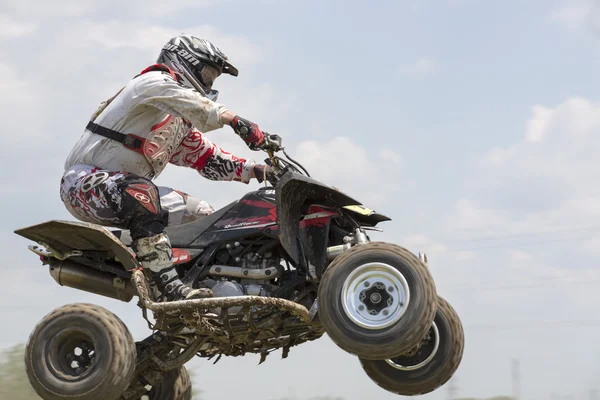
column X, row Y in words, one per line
column 366, row 216
column 294, row 193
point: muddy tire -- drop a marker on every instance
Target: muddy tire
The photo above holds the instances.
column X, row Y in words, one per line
column 176, row 385
column 80, row 351
column 431, row 366
column 377, row 300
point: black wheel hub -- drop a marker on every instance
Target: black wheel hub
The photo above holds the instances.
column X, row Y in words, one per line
column 376, row 298
column 419, row 354
column 71, row 355
column 81, row 358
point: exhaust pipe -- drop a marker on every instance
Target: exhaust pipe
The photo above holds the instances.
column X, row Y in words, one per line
column 78, row 276
column 247, row 273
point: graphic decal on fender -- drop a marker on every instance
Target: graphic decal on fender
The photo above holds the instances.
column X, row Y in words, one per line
column 181, row 256
column 243, row 225
column 360, row 210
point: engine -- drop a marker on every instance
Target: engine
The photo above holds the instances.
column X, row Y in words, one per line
column 240, row 271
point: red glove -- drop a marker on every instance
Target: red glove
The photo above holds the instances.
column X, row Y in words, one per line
column 248, row 131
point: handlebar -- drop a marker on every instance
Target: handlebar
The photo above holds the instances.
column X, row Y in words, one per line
column 273, row 144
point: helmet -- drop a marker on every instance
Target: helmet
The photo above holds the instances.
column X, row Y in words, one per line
column 197, row 62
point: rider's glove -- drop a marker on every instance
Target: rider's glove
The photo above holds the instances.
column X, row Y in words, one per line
column 248, row 131
column 262, row 172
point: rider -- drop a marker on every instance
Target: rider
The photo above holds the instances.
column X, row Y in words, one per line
column 159, row 117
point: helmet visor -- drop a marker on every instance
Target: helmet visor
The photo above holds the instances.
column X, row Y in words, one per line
column 207, row 75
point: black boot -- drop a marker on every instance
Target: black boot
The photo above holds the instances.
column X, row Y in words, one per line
column 172, row 289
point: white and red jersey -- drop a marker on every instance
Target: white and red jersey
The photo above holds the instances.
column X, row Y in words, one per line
column 169, row 118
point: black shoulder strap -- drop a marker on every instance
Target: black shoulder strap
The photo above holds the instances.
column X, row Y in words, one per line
column 130, row 141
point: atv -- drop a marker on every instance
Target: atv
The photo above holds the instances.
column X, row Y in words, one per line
column 285, row 264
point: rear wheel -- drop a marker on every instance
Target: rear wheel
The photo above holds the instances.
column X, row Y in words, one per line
column 80, row 351
column 176, row 385
column 425, row 368
column 377, row 300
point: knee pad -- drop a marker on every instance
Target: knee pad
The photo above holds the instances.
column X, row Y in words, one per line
column 140, row 207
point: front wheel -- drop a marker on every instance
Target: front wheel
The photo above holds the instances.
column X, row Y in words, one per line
column 377, row 300
column 80, row 352
column 428, row 366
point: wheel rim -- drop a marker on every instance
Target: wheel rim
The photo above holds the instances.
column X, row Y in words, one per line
column 421, row 356
column 375, row 296
column 71, row 355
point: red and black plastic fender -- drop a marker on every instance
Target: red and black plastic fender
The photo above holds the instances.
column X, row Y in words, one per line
column 295, row 193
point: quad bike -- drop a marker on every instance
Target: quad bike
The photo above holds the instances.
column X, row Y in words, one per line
column 285, row 264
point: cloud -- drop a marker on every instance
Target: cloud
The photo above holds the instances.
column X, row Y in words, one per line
column 157, row 7
column 345, row 164
column 19, row 99
column 34, row 10
column 80, row 8
column 390, row 155
column 9, row 28
column 328, row 159
column 526, row 224
column 559, row 144
column 12, row 87
column 118, row 35
column 537, row 125
column 422, row 66
column 577, row 15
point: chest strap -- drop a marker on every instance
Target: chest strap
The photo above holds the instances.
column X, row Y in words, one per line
column 132, row 142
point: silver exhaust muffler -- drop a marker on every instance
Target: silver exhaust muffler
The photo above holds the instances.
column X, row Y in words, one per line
column 78, row 276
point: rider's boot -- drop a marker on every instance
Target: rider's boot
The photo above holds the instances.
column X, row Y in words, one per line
column 156, row 256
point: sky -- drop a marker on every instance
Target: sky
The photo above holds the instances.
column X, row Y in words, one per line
column 472, row 124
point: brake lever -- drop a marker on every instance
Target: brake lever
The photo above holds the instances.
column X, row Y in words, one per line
column 272, row 142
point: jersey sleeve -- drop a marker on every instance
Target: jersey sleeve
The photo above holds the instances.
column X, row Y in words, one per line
column 212, row 162
column 163, row 92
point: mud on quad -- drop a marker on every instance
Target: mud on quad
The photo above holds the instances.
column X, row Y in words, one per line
column 286, row 264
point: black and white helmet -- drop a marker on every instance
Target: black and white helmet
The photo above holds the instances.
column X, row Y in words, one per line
column 197, row 61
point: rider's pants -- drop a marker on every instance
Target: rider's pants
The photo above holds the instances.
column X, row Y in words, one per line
column 128, row 201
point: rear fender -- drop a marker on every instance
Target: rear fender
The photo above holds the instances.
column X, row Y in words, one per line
column 66, row 237
column 294, row 194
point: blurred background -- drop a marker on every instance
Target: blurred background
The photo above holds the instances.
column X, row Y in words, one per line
column 472, row 124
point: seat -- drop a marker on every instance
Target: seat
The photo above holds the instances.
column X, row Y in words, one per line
column 182, row 236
